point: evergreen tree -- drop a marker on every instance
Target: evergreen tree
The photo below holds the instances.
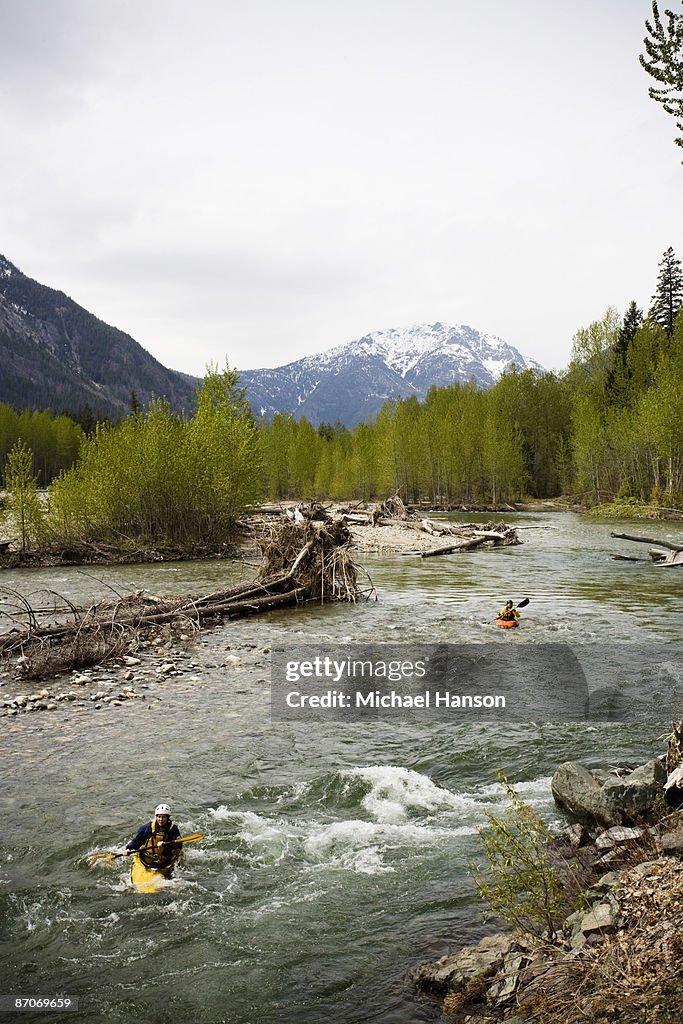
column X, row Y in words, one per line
column 633, row 318
column 668, row 297
column 664, row 63
column 617, row 384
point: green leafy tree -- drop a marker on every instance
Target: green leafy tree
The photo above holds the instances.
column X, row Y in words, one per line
column 224, row 454
column 386, row 481
column 23, row 506
column 304, row 457
column 661, row 425
column 157, row 477
column 589, row 445
column 668, row 297
column 663, row 61
column 592, row 354
column 502, row 441
column 277, row 438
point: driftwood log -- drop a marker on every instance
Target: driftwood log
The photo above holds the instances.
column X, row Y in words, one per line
column 648, row 540
column 302, row 562
column 474, row 536
column 664, row 559
column 449, row 549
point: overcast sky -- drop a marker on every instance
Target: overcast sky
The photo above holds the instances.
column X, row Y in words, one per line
column 259, row 180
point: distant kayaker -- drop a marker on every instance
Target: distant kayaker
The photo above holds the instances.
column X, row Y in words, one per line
column 154, row 842
column 509, row 613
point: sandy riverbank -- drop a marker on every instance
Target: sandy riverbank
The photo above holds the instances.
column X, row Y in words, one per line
column 401, row 539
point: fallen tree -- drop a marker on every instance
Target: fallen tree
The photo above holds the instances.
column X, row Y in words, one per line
column 672, row 556
column 647, row 540
column 472, row 536
column 302, row 562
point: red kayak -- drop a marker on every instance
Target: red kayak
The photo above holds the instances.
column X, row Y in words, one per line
column 507, row 623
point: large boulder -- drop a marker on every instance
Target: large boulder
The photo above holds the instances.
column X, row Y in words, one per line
column 576, row 790
column 455, row 971
column 631, row 797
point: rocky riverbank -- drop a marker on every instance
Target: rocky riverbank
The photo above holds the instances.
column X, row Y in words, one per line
column 167, row 663
column 617, row 955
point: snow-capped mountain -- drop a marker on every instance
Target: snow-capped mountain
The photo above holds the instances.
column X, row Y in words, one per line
column 351, row 382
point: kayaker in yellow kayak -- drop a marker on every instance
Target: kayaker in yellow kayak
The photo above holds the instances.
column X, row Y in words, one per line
column 154, row 842
column 509, row 613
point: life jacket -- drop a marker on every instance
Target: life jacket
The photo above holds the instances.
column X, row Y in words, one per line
column 507, row 614
column 158, row 851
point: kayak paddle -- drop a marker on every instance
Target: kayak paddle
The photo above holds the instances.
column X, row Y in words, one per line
column 112, row 856
column 523, row 603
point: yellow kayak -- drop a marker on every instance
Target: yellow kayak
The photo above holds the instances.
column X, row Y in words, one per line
column 145, row 879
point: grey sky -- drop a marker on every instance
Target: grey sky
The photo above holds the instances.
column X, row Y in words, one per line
column 260, row 181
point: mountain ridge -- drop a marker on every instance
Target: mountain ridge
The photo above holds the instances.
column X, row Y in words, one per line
column 55, row 354
column 350, row 382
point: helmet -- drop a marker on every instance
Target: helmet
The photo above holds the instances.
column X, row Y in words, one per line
column 162, row 809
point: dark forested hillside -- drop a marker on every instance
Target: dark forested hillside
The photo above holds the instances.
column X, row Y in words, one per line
column 54, row 353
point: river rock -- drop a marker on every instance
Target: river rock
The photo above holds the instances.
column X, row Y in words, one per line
column 577, row 791
column 672, row 843
column 507, row 982
column 632, row 797
column 455, row 970
column 602, row 919
column 618, row 836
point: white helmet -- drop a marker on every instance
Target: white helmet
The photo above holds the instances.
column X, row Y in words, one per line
column 163, row 809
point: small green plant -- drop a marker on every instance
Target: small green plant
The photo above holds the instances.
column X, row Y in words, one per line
column 522, row 881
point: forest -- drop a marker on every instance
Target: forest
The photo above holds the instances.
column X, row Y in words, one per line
column 608, row 427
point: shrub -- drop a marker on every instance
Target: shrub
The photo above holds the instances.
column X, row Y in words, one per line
column 522, row 881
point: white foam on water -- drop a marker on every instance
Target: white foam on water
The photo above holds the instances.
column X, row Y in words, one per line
column 223, row 813
column 361, row 845
column 397, row 792
column 268, row 840
column 408, row 812
column 351, row 845
column 295, row 792
column 534, row 791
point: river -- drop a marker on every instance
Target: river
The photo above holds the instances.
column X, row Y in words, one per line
column 336, row 853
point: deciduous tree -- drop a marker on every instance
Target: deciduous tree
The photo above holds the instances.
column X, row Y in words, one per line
column 23, row 501
column 663, row 61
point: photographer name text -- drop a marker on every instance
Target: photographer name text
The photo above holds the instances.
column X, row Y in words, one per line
column 359, row 699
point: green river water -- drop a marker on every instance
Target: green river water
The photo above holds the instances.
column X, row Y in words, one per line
column 336, row 853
